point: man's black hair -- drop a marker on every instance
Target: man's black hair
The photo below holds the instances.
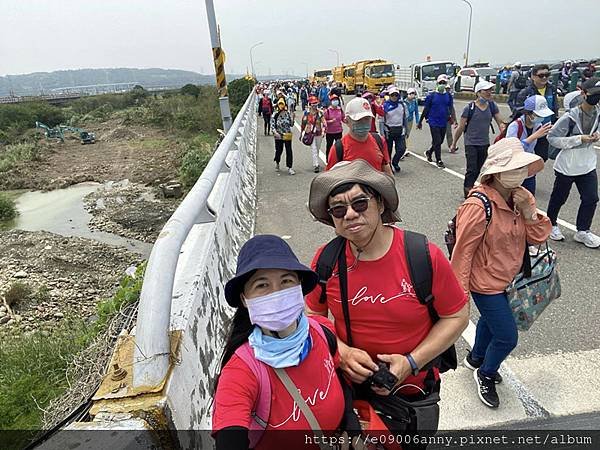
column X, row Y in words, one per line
column 347, row 186
column 539, row 67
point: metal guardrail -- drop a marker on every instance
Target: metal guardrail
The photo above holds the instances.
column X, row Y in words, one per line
column 151, row 359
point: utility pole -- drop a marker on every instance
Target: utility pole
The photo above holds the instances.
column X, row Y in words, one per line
column 219, row 60
column 469, row 34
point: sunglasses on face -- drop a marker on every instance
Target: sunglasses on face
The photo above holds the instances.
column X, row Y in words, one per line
column 542, row 75
column 359, row 205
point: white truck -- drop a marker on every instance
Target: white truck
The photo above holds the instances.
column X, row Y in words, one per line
column 423, row 76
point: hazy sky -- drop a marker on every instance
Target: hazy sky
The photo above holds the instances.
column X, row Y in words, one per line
column 46, row 35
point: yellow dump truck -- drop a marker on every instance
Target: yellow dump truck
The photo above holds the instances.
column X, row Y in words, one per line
column 348, row 83
column 338, row 75
column 372, row 75
column 322, row 76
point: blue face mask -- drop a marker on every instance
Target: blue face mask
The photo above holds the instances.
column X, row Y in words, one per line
column 287, row 352
column 361, row 130
column 482, row 100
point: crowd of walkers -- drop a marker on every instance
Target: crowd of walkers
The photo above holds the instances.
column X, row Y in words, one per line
column 358, row 340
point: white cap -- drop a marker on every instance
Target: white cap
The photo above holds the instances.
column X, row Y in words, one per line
column 483, row 85
column 411, row 91
column 517, row 64
column 393, row 90
column 538, row 105
column 357, row 108
column 442, row 77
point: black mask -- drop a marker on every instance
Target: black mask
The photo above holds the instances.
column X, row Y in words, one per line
column 592, row 99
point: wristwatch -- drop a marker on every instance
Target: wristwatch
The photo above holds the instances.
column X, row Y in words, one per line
column 413, row 364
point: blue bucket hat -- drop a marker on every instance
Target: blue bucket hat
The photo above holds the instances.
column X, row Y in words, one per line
column 266, row 251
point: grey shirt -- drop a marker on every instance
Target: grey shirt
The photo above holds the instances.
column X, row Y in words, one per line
column 478, row 130
column 588, row 121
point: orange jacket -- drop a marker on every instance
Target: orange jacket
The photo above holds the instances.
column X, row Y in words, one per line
column 486, row 261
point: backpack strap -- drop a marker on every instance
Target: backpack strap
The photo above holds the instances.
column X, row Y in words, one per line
column 327, row 261
column 343, row 277
column 339, row 150
column 470, row 113
column 416, row 250
column 487, row 205
column 378, row 140
column 262, row 406
column 520, row 128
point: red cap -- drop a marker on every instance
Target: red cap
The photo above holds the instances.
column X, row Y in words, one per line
column 312, row 100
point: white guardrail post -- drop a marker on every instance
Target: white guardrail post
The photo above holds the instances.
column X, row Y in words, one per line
column 151, row 358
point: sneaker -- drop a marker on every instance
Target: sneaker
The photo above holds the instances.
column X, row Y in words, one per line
column 277, row 167
column 486, row 390
column 291, row 171
column 396, row 168
column 441, row 164
column 587, row 238
column 428, row 156
column 317, row 169
column 402, row 157
column 556, row 234
column 473, row 364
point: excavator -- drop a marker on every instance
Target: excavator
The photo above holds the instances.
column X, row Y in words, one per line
column 85, row 136
column 58, row 132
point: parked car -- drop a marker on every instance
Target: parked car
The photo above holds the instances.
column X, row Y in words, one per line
column 469, row 76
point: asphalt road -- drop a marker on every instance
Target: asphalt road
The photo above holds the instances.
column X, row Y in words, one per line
column 555, row 370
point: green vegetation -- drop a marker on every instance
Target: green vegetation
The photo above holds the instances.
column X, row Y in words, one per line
column 8, row 209
column 34, row 366
column 238, row 93
column 11, row 155
column 196, row 155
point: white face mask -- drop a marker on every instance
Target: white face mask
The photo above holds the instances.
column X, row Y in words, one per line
column 278, row 310
column 513, row 178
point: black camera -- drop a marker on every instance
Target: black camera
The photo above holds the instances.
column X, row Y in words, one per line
column 383, row 378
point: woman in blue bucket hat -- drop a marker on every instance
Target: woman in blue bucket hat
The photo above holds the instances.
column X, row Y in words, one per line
column 278, row 366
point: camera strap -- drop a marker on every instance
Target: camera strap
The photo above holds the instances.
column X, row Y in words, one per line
column 343, row 277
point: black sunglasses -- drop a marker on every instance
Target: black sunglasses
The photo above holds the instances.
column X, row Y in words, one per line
column 542, row 75
column 359, row 205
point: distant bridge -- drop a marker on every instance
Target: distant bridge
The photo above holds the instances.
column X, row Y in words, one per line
column 62, row 94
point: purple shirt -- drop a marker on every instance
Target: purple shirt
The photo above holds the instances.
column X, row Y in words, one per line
column 336, row 115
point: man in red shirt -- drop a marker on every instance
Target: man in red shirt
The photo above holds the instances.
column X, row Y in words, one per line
column 387, row 321
column 360, row 143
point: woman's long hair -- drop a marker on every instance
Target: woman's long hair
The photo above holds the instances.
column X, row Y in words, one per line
column 240, row 329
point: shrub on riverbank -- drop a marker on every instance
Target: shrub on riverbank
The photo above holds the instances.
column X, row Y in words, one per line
column 196, row 155
column 8, row 209
column 11, row 155
column 37, row 368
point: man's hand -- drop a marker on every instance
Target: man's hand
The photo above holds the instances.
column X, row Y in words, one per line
column 419, row 125
column 356, row 363
column 521, row 197
column 588, row 139
column 399, row 366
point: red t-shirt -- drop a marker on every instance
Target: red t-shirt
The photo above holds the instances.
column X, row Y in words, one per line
column 385, row 314
column 316, row 379
column 367, row 150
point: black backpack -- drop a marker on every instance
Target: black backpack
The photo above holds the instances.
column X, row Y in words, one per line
column 521, row 80
column 450, row 234
column 416, row 250
column 339, row 147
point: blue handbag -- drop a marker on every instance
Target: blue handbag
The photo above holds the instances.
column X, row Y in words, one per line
column 535, row 287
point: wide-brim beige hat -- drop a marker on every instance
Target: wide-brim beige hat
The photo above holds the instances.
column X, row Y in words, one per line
column 508, row 154
column 356, row 171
